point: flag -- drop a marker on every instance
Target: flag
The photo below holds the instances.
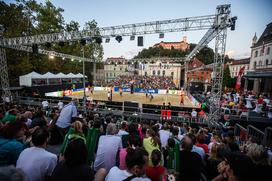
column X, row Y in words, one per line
column 238, row 81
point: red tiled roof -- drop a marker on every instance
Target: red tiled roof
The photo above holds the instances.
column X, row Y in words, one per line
column 240, row 61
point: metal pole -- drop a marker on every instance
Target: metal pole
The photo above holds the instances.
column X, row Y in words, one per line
column 84, row 86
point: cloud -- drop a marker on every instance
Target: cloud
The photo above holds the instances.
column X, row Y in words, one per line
column 231, row 53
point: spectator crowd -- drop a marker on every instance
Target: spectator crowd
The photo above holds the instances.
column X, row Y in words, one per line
column 144, row 82
column 36, row 146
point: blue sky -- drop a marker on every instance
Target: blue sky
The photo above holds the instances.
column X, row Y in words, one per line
column 253, row 16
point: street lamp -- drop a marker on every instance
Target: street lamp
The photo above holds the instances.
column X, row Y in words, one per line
column 84, row 86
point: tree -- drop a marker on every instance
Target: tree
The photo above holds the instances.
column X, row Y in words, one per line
column 27, row 17
column 227, row 80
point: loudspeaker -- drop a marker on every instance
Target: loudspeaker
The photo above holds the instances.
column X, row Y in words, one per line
column 35, row 48
column 140, row 41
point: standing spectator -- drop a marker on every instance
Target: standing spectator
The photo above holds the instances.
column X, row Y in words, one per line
column 12, row 136
column 201, row 142
column 108, row 145
column 67, row 115
column 37, row 163
column 136, row 161
column 164, row 135
column 152, row 142
column 10, row 173
column 74, row 166
column 155, row 172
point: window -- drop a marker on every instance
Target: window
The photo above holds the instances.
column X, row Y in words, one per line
column 145, row 73
column 268, row 51
column 260, row 63
column 154, row 72
column 159, row 72
column 114, row 68
column 256, row 53
column 255, row 64
column 120, row 68
column 163, row 72
column 232, row 68
column 172, row 74
column 266, row 62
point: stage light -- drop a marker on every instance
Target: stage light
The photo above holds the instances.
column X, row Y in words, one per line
column 63, row 58
column 132, row 37
column 233, row 22
column 35, row 48
column 161, row 35
column 83, row 42
column 47, row 45
column 98, row 40
column 118, row 38
column 72, row 59
column 61, row 43
column 107, row 40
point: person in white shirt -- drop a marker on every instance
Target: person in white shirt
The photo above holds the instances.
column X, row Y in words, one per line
column 67, row 114
column 136, row 161
column 37, row 163
column 164, row 135
column 194, row 114
column 108, row 146
column 45, row 104
column 123, row 131
column 60, row 105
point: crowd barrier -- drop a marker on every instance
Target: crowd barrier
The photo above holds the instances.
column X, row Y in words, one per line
column 242, row 134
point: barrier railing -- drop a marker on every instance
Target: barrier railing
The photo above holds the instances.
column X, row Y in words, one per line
column 256, row 134
column 240, row 133
column 268, row 137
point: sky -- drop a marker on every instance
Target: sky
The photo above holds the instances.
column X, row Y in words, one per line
column 253, row 16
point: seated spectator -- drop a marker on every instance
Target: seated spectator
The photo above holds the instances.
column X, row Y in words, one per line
column 39, row 119
column 214, row 139
column 259, row 156
column 78, row 132
column 190, row 162
column 9, row 116
column 36, row 162
column 200, row 139
column 12, row 136
column 123, row 131
column 235, row 166
column 195, row 148
column 133, row 143
column 108, row 145
column 10, row 173
column 74, row 166
column 136, row 161
column 155, row 172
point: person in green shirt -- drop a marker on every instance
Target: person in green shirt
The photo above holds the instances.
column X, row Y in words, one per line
column 152, row 142
column 10, row 116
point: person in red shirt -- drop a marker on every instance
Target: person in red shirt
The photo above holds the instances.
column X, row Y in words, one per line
column 201, row 142
column 155, row 172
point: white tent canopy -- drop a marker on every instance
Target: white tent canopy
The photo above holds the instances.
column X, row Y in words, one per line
column 26, row 80
column 49, row 75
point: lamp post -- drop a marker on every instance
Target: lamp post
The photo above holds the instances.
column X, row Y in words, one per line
column 84, row 86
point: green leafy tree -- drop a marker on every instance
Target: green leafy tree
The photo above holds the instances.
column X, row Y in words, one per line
column 227, row 80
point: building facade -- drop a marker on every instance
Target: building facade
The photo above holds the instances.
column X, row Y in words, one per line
column 162, row 68
column 183, row 45
column 259, row 77
column 236, row 65
column 201, row 76
column 114, row 67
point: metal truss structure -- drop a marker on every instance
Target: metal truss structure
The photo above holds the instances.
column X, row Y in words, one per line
column 50, row 53
column 216, row 24
column 155, row 59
